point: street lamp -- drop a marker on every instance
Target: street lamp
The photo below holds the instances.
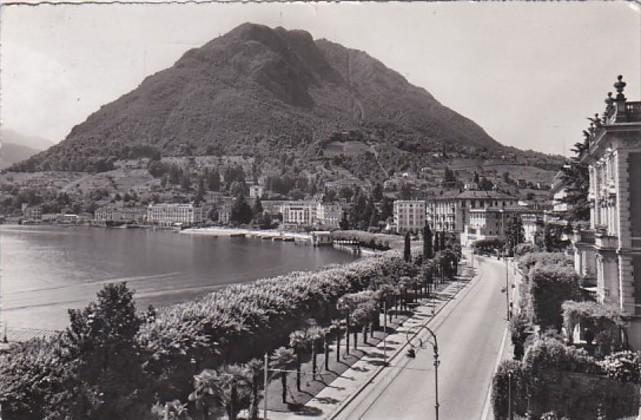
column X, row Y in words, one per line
column 412, row 334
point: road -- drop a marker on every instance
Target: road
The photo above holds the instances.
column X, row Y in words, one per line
column 471, row 335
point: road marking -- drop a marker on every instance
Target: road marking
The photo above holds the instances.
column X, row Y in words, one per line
column 486, row 406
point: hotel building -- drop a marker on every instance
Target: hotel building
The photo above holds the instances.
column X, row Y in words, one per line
column 409, row 215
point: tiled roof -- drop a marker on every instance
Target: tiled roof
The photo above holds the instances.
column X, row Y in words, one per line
column 469, row 194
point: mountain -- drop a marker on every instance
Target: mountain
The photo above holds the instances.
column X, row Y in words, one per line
column 33, row 142
column 261, row 91
column 11, row 153
column 16, row 147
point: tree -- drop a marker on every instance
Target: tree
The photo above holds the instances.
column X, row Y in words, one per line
column 101, row 340
column 377, row 192
column 200, row 193
column 449, row 178
column 344, row 223
column 476, row 178
column 282, row 359
column 406, row 191
column 241, row 212
column 514, row 233
column 213, row 180
column 427, row 242
column 254, row 370
column 228, row 388
column 258, row 207
column 387, row 208
column 576, row 179
column 485, row 184
column 407, row 251
column 185, row 181
column 298, row 340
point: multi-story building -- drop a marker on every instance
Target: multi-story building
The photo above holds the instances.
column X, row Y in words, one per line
column 111, row 213
column 299, row 213
column 256, row 191
column 175, row 214
column 533, row 226
column 329, row 214
column 450, row 212
column 488, row 223
column 409, row 215
column 612, row 245
column 31, row 213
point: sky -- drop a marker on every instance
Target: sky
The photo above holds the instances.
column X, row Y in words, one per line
column 528, row 73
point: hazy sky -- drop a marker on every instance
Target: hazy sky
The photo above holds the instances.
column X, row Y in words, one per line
column 529, row 73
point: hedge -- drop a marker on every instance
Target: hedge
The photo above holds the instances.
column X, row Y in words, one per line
column 230, row 325
column 603, row 321
column 549, row 287
column 563, row 379
column 527, row 261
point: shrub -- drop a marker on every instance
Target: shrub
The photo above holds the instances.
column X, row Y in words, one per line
column 603, row 322
column 550, row 286
column 551, row 354
column 528, row 261
column 525, row 248
column 510, row 379
column 624, row 366
column 230, row 325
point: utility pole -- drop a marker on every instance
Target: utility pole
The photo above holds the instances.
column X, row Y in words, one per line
column 384, row 331
column 509, row 396
column 410, row 335
column 266, row 382
column 507, row 288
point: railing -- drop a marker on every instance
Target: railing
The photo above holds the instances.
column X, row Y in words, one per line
column 633, row 111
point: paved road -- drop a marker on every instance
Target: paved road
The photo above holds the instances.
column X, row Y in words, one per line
column 471, row 333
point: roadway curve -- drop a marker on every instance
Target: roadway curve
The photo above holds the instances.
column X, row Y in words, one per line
column 471, row 333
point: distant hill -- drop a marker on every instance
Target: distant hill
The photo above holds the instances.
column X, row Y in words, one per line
column 259, row 91
column 33, row 142
column 15, row 147
column 11, row 153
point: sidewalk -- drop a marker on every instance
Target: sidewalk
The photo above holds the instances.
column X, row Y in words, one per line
column 339, row 392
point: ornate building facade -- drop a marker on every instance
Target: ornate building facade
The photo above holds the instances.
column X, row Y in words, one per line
column 611, row 248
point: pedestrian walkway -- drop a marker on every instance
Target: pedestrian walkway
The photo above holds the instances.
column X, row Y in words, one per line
column 338, row 393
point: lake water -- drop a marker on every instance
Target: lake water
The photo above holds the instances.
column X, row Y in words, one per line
column 46, row 269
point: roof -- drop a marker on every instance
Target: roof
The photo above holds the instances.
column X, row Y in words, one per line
column 470, row 195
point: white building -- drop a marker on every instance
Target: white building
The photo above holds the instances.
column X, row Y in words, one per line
column 409, row 215
column 450, row 211
column 112, row 213
column 256, row 191
column 612, row 245
column 329, row 214
column 299, row 213
column 175, row 214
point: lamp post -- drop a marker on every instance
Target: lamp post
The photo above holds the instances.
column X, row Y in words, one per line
column 412, row 334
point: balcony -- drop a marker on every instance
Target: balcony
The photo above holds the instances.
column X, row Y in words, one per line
column 584, row 236
column 603, row 240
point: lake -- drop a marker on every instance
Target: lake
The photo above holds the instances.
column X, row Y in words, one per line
column 46, row 269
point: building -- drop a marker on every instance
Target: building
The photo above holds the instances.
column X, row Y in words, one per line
column 487, row 223
column 256, row 191
column 612, row 244
column 409, row 215
column 120, row 214
column 533, row 226
column 31, row 213
column 450, row 212
column 329, row 214
column 175, row 214
column 299, row 213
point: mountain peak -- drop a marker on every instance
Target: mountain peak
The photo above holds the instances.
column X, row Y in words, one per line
column 257, row 82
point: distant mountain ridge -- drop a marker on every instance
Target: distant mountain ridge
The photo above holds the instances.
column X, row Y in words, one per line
column 258, row 91
column 16, row 147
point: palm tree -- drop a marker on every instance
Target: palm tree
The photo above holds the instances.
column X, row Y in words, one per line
column 298, row 340
column 326, row 334
column 336, row 324
column 204, row 394
column 314, row 334
column 254, row 371
column 345, row 305
column 282, row 359
column 234, row 390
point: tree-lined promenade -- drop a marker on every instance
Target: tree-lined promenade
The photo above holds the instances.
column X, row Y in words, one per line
column 203, row 357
